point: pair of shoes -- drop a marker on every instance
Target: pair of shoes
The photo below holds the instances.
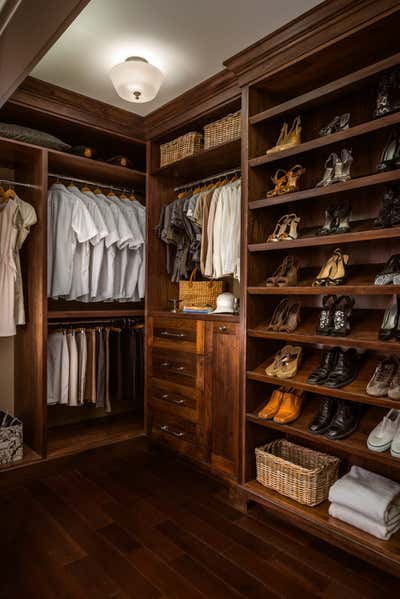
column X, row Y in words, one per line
column 335, row 315
column 288, row 137
column 286, row 181
column 389, row 214
column 337, row 219
column 390, row 157
column 336, row 369
column 285, row 275
column 333, row 271
column 390, row 327
column 285, row 228
column 386, row 434
column 336, row 418
column 285, row 318
column 337, row 170
column 385, row 380
column 390, row 272
column 286, row 362
column 339, row 123
column 388, row 100
column 284, row 406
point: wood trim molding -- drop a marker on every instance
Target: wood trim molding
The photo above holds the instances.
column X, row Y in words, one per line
column 216, row 91
column 39, row 95
column 315, row 29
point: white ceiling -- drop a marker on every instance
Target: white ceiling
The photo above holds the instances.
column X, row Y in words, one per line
column 187, row 39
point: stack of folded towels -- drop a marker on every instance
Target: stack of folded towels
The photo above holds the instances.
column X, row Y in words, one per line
column 367, row 501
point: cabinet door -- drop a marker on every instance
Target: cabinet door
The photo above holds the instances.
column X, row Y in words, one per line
column 222, row 384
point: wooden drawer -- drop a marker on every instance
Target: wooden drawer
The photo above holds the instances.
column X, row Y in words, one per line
column 176, row 334
column 178, row 434
column 177, row 367
column 174, row 399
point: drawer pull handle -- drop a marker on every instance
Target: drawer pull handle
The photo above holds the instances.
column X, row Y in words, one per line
column 169, row 334
column 166, row 429
column 181, row 368
column 178, row 402
column 222, row 328
column 165, row 364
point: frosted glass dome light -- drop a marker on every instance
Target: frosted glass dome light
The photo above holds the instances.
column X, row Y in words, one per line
column 135, row 80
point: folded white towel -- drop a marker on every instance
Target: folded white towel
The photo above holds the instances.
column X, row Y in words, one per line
column 363, row 522
column 367, row 493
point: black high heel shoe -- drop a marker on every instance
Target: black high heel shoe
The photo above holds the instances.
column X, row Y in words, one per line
column 343, row 218
column 390, row 322
column 341, row 316
column 390, row 157
column 326, row 315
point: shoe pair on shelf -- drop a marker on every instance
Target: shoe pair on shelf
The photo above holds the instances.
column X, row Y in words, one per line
column 389, row 214
column 288, row 137
column 336, row 418
column 285, row 318
column 339, row 123
column 285, row 275
column 390, row 327
column 390, row 157
column 385, row 380
column 335, row 315
column 337, row 219
column 386, row 434
column 286, row 362
column 388, row 98
column 337, row 170
column 285, row 228
column 334, row 270
column 284, row 406
column 390, row 273
column 336, row 369
column 286, row 181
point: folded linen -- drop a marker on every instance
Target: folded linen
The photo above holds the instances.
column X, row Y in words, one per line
column 364, row 523
column 367, row 493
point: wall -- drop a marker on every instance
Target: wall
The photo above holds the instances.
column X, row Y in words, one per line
column 7, row 374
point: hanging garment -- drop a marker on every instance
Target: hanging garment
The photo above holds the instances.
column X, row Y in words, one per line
column 57, row 369
column 8, row 268
column 116, row 365
column 100, row 369
column 73, row 369
column 26, row 217
column 81, row 343
column 90, row 383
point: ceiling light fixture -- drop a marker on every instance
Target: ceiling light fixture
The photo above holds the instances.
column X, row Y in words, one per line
column 136, row 80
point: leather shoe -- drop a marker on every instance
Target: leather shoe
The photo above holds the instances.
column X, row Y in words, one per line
column 290, row 407
column 323, row 418
column 326, row 365
column 272, row 407
column 345, row 421
column 345, row 371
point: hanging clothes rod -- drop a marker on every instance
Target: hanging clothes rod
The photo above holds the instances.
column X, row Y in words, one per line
column 218, row 176
column 11, row 182
column 95, row 183
column 86, row 322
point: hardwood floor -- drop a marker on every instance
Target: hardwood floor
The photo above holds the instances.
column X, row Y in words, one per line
column 150, row 527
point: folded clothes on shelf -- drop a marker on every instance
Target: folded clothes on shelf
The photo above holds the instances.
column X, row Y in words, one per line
column 382, row 531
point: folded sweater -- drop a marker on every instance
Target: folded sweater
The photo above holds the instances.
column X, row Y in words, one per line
column 363, row 522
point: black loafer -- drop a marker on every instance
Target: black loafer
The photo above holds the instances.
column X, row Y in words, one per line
column 345, row 371
column 345, row 421
column 325, row 367
column 323, row 418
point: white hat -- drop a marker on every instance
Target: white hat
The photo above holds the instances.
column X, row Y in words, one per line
column 225, row 303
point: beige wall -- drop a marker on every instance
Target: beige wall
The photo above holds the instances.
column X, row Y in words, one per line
column 7, row 374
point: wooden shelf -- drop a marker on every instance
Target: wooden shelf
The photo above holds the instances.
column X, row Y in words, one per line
column 326, row 140
column 360, row 231
column 112, row 313
column 95, row 170
column 320, row 192
column 356, row 444
column 353, row 392
column 326, row 92
column 30, row 457
column 211, row 317
column 204, row 164
column 317, row 521
column 365, row 325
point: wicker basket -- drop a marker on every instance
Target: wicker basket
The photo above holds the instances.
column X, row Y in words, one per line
column 297, row 472
column 181, row 147
column 223, row 130
column 199, row 292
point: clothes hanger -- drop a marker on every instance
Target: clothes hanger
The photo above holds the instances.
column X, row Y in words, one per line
column 98, row 191
column 85, row 189
column 10, row 193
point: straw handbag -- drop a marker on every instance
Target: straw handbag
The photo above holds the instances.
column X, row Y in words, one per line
column 199, row 292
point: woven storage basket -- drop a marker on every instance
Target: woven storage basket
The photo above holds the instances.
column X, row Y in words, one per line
column 199, row 292
column 297, row 472
column 223, row 130
column 11, row 439
column 181, row 147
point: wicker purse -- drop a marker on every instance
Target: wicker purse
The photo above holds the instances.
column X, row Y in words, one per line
column 199, row 292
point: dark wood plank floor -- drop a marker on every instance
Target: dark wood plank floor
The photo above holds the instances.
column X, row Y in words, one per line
column 150, row 527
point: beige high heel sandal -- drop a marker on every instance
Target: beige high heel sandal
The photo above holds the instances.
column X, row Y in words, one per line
column 337, row 276
column 281, row 139
column 288, row 138
column 280, row 228
column 292, row 223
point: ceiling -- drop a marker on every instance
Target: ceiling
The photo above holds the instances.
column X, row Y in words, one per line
column 187, row 40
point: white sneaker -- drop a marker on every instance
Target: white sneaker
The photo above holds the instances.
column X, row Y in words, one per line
column 395, row 447
column 382, row 436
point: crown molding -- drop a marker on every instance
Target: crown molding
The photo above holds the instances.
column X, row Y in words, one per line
column 321, row 26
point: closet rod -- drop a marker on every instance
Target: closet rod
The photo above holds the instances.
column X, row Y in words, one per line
column 218, row 176
column 96, row 183
column 10, row 182
column 89, row 322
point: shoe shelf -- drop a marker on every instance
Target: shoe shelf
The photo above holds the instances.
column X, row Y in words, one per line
column 360, row 231
column 316, row 520
column 355, row 391
column 320, row 192
column 355, row 444
column 365, row 326
column 326, row 93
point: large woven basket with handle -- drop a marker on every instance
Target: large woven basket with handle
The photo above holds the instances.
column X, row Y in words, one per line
column 199, row 292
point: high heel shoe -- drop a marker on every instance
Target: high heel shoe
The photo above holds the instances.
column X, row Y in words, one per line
column 293, row 176
column 326, row 315
column 330, row 223
column 280, row 181
column 341, row 316
column 343, row 166
column 343, row 218
column 390, row 272
column 290, row 233
column 281, row 139
column 338, row 276
column 390, row 320
column 291, row 319
column 280, row 227
column 339, row 123
column 278, row 316
column 329, row 170
column 290, row 276
column 287, row 139
column 390, row 154
column 280, row 272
